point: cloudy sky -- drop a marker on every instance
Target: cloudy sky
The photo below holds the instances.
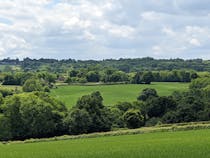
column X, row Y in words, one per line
column 99, row 29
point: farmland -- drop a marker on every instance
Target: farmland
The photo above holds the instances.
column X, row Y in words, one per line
column 182, row 144
column 114, row 93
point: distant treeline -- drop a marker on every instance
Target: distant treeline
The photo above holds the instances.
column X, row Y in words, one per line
column 112, row 75
column 106, row 76
column 34, row 114
column 125, row 65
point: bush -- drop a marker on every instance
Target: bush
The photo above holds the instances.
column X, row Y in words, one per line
column 124, row 106
column 133, row 118
column 5, row 91
column 153, row 121
column 147, row 93
column 32, row 85
column 170, row 117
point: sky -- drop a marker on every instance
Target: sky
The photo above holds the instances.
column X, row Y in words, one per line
column 101, row 29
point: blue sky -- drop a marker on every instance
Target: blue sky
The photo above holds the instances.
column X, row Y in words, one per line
column 100, row 29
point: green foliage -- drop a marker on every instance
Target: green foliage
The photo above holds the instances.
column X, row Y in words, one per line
column 29, row 115
column 137, row 78
column 126, row 65
column 133, row 118
column 153, row 121
column 89, row 108
column 92, row 76
column 73, row 73
column 5, row 91
column 124, row 106
column 32, row 85
column 5, row 129
column 9, row 80
column 17, row 78
column 170, row 117
column 147, row 94
column 147, row 77
column 117, row 118
column 200, row 83
column 78, row 121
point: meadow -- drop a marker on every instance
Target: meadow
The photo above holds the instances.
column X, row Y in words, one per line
column 182, row 144
column 114, row 93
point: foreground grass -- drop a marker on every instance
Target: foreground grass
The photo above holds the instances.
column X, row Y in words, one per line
column 114, row 93
column 182, row 144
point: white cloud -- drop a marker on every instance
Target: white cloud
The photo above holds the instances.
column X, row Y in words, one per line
column 195, row 42
column 84, row 29
column 118, row 30
column 150, row 16
column 168, row 31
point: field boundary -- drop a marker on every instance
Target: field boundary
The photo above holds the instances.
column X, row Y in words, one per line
column 108, row 83
column 143, row 130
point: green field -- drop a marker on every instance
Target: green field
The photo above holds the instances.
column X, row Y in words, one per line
column 113, row 93
column 11, row 87
column 182, row 144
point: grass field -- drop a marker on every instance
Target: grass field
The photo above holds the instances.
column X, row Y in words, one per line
column 113, row 93
column 11, row 87
column 181, row 144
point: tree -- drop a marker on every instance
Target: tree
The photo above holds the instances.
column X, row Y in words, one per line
column 158, row 106
column 124, row 106
column 194, row 75
column 119, row 76
column 117, row 118
column 99, row 114
column 170, row 117
column 32, row 85
column 92, row 76
column 78, row 121
column 47, row 77
column 9, row 80
column 5, row 129
column 137, row 78
column 5, row 91
column 11, row 109
column 200, row 83
column 73, row 73
column 147, row 77
column 185, row 76
column 33, row 115
column 133, row 118
column 147, row 93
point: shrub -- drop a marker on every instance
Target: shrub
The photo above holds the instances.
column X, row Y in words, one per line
column 32, row 85
column 133, row 118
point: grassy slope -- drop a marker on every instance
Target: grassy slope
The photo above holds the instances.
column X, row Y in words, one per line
column 113, row 93
column 182, row 144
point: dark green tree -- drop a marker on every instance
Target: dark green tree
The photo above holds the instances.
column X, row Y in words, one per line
column 93, row 76
column 147, row 77
column 133, row 118
column 147, row 93
column 78, row 121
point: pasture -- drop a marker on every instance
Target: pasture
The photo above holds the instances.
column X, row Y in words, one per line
column 112, row 94
column 182, row 144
